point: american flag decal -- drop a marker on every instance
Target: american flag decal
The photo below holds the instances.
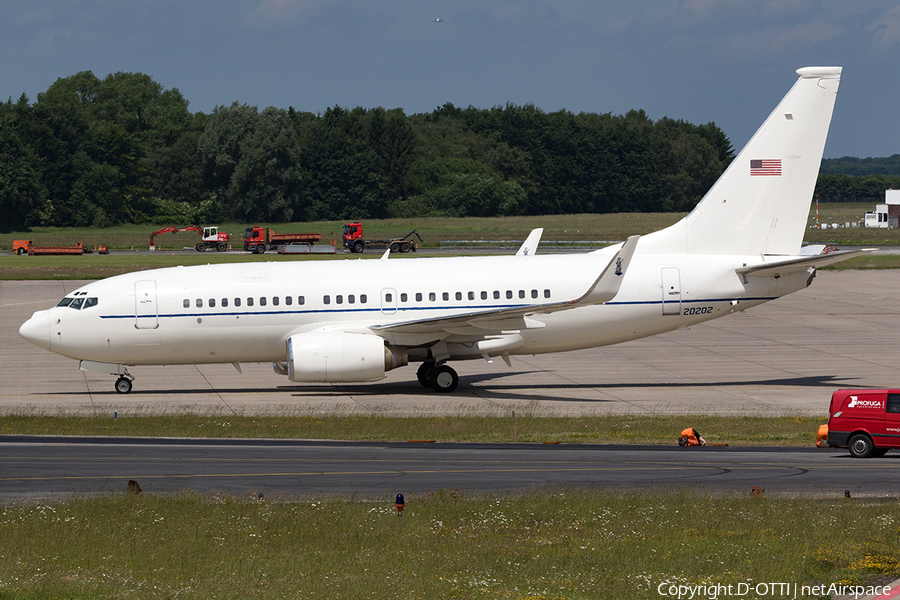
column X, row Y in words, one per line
column 765, row 167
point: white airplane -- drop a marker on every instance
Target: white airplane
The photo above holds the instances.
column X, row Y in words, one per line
column 353, row 320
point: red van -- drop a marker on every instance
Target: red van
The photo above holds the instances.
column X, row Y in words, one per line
column 867, row 422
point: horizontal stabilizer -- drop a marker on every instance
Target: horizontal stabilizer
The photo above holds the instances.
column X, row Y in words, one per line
column 794, row 265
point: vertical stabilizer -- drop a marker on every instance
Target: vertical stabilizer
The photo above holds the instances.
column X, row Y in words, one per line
column 760, row 204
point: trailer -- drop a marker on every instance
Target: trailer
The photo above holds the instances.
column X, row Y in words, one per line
column 78, row 248
column 260, row 239
column 354, row 241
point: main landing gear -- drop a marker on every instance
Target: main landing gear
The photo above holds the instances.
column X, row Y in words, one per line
column 440, row 378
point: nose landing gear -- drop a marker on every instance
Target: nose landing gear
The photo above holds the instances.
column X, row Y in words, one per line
column 123, row 383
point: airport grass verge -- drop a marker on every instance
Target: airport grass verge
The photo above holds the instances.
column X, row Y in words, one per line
column 744, row 430
column 547, row 544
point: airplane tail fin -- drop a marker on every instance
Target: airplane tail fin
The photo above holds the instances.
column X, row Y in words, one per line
column 760, row 204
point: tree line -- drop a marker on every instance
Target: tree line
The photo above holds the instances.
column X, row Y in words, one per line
column 100, row 152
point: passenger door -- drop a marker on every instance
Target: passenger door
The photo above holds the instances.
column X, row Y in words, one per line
column 671, row 291
column 146, row 315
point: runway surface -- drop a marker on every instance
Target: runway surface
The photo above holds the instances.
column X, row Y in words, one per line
column 784, row 357
column 57, row 467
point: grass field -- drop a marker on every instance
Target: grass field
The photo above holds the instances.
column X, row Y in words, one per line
column 556, row 228
column 605, row 429
column 609, row 227
column 558, row 544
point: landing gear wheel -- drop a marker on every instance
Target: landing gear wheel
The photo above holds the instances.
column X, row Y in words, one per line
column 123, row 385
column 221, row 247
column 443, row 379
column 422, row 374
column 860, row 446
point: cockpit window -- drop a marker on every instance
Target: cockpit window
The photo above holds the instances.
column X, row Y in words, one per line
column 65, row 301
column 89, row 302
column 76, row 303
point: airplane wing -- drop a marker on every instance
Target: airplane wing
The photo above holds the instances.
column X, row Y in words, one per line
column 603, row 289
column 792, row 265
column 529, row 246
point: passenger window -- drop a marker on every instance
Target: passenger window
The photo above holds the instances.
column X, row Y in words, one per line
column 534, row 293
column 471, row 295
column 199, row 303
column 301, row 300
column 187, row 303
column 432, row 296
column 212, row 302
column 404, row 297
column 76, row 303
column 339, row 299
column 521, row 293
column 496, row 295
column 249, row 301
column 459, row 295
column 418, row 296
column 237, row 301
column 389, row 298
column 893, row 403
column 484, row 295
column 445, row 296
column 275, row 301
column 351, row 299
column 327, row 299
column 363, row 299
column 68, row 301
column 224, row 302
column 508, row 294
column 288, row 300
column 546, row 293
column 262, row 301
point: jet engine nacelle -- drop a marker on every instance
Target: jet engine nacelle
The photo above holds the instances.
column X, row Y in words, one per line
column 335, row 356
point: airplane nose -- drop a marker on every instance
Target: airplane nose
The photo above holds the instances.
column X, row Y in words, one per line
column 36, row 330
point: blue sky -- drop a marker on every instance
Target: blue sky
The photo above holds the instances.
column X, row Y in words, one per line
column 727, row 61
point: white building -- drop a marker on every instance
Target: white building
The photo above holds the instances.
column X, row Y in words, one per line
column 886, row 215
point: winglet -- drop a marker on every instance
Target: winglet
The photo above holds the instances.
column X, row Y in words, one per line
column 529, row 246
column 607, row 284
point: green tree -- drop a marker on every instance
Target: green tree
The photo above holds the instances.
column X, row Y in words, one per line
column 251, row 162
column 20, row 188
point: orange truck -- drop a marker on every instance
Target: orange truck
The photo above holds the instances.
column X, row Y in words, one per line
column 26, row 247
column 260, row 239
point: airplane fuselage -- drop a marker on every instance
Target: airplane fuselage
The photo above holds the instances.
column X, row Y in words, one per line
column 235, row 313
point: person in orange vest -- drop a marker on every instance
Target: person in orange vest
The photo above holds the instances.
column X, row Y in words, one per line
column 822, row 436
column 691, row 437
